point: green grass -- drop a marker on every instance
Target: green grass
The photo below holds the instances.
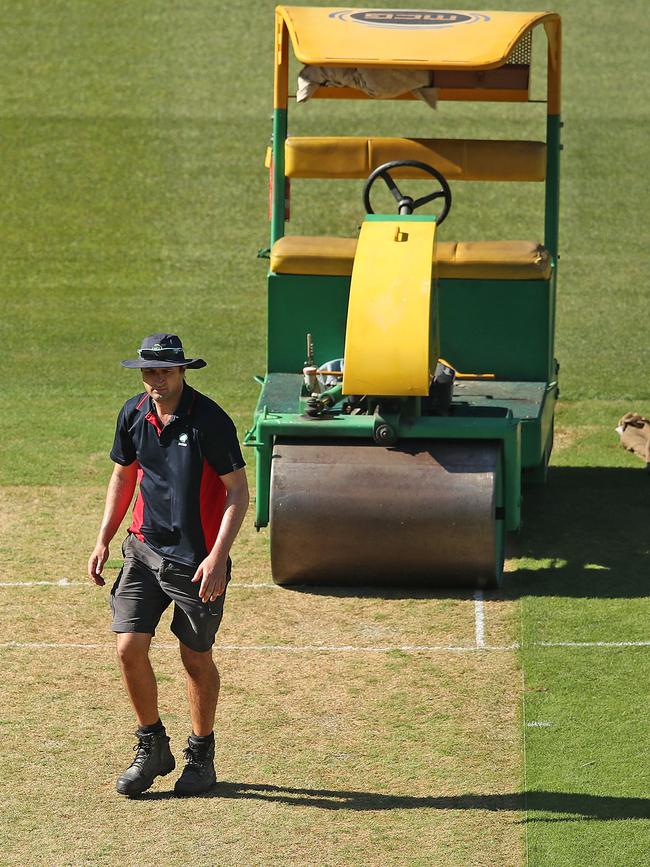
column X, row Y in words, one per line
column 134, row 199
column 586, row 773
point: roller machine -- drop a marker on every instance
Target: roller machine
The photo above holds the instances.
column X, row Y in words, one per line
column 398, row 421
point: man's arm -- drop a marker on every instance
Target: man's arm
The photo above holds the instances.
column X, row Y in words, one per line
column 212, row 571
column 118, row 497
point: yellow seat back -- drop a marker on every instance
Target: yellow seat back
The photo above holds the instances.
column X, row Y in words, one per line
column 332, row 157
column 455, row 260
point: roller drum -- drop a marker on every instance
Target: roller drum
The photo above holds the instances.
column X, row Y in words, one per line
column 423, row 513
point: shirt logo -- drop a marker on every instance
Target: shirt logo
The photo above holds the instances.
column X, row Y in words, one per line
column 182, row 440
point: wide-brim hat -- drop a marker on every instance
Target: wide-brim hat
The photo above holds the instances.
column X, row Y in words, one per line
column 162, row 350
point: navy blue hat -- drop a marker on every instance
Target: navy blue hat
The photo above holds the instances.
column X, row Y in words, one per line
column 162, row 350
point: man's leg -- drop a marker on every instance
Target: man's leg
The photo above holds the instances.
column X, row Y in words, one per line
column 152, row 756
column 137, row 602
column 138, row 676
column 195, row 624
column 203, row 683
column 202, row 688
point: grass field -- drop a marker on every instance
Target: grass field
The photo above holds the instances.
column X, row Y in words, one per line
column 356, row 727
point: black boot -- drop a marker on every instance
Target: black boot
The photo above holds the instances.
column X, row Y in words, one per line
column 198, row 774
column 152, row 758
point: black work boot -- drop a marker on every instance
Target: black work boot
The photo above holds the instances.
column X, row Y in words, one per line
column 198, row 774
column 153, row 758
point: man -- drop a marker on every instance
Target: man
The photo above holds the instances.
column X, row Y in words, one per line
column 182, row 450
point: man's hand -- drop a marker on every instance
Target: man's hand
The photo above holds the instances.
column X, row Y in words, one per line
column 119, row 495
column 96, row 563
column 212, row 575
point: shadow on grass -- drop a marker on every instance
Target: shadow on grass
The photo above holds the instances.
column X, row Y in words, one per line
column 564, row 804
column 584, row 535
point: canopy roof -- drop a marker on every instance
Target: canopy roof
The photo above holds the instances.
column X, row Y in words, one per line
column 439, row 39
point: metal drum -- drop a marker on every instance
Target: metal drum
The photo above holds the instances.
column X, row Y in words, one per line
column 423, row 513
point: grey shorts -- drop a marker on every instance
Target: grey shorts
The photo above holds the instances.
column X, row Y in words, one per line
column 147, row 584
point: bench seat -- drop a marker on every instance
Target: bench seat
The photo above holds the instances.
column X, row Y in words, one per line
column 468, row 260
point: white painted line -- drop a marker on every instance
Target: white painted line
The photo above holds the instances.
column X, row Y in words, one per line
column 51, row 645
column 62, row 582
column 340, row 648
column 281, row 648
column 479, row 618
column 591, row 643
column 350, row 648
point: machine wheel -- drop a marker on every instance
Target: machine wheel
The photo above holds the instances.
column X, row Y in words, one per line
column 425, row 513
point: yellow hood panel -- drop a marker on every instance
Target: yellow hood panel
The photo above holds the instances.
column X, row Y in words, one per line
column 419, row 38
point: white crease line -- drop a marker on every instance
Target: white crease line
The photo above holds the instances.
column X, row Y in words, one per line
column 340, row 648
column 352, row 648
column 479, row 618
column 62, row 582
column 591, row 643
column 44, row 645
column 282, row 648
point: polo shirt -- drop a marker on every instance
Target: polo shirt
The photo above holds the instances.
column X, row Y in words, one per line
column 181, row 498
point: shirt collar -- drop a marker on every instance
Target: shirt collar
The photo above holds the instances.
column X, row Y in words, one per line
column 186, row 402
column 184, row 405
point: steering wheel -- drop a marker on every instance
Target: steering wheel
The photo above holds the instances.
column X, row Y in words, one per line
column 406, row 204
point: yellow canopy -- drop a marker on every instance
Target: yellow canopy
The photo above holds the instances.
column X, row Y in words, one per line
column 406, row 38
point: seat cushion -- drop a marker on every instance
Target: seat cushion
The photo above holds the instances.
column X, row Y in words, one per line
column 493, row 260
column 469, row 260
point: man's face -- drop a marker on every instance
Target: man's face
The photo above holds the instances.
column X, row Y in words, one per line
column 163, row 383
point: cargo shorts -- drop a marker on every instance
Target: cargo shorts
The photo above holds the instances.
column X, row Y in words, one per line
column 145, row 587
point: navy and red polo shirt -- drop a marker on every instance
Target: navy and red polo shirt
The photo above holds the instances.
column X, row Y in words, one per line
column 181, row 497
